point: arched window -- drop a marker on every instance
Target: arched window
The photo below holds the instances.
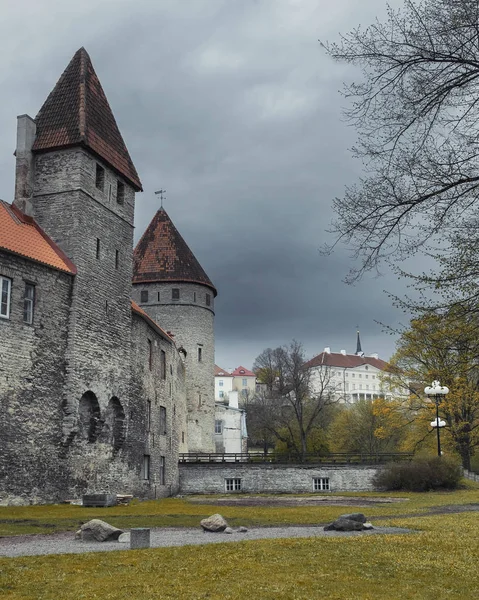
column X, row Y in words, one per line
column 113, row 431
column 89, row 417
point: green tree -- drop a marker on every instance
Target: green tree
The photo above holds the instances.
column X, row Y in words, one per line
column 443, row 346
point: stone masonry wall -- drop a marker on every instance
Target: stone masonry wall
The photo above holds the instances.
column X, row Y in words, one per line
column 265, row 478
column 32, row 379
column 192, row 323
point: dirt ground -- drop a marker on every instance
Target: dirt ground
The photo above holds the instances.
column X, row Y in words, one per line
column 364, row 501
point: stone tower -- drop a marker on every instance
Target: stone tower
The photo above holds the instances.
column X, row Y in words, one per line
column 74, row 175
column 172, row 287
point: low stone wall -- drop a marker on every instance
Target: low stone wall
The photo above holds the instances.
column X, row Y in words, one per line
column 210, row 478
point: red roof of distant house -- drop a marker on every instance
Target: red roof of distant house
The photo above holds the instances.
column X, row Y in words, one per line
column 242, row 372
column 219, row 372
column 77, row 113
column 346, row 361
column 21, row 235
column 163, row 255
column 139, row 311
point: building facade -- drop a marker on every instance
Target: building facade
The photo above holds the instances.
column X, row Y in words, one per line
column 95, row 395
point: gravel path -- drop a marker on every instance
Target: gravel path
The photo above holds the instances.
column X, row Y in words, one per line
column 64, row 543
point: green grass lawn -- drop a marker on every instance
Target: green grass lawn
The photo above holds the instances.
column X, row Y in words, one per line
column 440, row 561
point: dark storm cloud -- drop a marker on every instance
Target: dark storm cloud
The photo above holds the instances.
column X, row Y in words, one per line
column 232, row 106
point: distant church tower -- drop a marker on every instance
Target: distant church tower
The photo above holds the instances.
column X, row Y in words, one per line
column 172, row 287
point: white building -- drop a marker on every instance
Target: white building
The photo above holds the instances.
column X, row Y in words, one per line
column 230, row 426
column 223, row 384
column 350, row 377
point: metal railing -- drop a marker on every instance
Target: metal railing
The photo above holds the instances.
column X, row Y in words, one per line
column 336, row 458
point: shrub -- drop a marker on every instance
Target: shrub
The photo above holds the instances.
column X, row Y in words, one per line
column 420, row 475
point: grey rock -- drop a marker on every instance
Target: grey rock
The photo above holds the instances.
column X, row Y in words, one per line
column 242, row 529
column 100, row 531
column 342, row 524
column 359, row 517
column 228, row 530
column 124, row 538
column 214, row 523
column 367, row 526
column 78, row 535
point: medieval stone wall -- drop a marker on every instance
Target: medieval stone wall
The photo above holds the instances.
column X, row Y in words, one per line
column 32, row 379
column 191, row 321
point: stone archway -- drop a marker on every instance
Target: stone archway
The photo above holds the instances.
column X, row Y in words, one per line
column 89, row 421
column 114, row 424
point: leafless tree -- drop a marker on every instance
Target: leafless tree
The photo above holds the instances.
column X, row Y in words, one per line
column 416, row 110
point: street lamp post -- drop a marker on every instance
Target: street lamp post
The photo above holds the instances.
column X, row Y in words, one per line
column 437, row 391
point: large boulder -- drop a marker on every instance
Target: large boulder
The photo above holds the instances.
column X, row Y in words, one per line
column 343, row 524
column 100, row 531
column 359, row 517
column 215, row 523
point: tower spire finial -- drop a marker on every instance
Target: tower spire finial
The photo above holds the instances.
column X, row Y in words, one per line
column 359, row 351
column 161, row 192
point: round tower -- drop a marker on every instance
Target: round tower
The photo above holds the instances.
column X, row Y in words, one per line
column 172, row 287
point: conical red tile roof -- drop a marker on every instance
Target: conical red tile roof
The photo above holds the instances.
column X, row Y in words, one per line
column 77, row 113
column 163, row 255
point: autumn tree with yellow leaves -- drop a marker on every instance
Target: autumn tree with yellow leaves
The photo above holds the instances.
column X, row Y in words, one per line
column 443, row 346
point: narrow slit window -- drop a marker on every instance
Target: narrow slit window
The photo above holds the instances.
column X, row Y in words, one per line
column 117, row 259
column 98, row 248
column 28, row 303
column 208, row 299
column 99, row 177
column 120, row 192
column 150, row 355
column 200, row 354
column 162, row 470
column 146, row 467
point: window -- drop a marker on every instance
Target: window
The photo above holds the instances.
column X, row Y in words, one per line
column 244, row 392
column 367, row 387
column 220, row 383
column 199, row 400
column 208, row 299
column 148, row 415
column 233, row 485
column 120, row 192
column 347, row 386
column 150, row 354
column 353, row 375
column 158, row 296
column 109, row 192
column 162, row 470
column 175, row 294
column 99, row 177
column 218, row 427
column 162, row 420
column 28, row 303
column 144, row 296
column 98, row 248
column 194, row 296
column 200, row 352
column 163, row 364
column 117, row 258
column 182, row 437
column 321, row 484
column 354, row 386
column 221, row 394
column 146, row 467
column 245, row 382
column 5, row 291
column 359, row 375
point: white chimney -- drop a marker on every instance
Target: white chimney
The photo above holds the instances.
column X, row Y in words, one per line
column 233, row 399
column 343, row 352
column 327, row 350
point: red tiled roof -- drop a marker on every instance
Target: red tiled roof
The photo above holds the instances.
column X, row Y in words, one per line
column 163, row 255
column 139, row 311
column 77, row 113
column 219, row 372
column 346, row 361
column 242, row 372
column 19, row 234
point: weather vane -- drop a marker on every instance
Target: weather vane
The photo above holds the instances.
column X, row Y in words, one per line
column 161, row 192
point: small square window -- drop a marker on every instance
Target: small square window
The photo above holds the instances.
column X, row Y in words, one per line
column 208, row 299
column 233, row 485
column 175, row 294
column 218, row 427
column 99, row 177
column 5, row 292
column 144, row 296
column 321, row 484
column 120, row 192
column 28, row 303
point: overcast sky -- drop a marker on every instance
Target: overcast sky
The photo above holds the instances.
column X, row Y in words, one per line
column 233, row 107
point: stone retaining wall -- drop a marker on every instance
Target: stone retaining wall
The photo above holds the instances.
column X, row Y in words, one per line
column 267, row 478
